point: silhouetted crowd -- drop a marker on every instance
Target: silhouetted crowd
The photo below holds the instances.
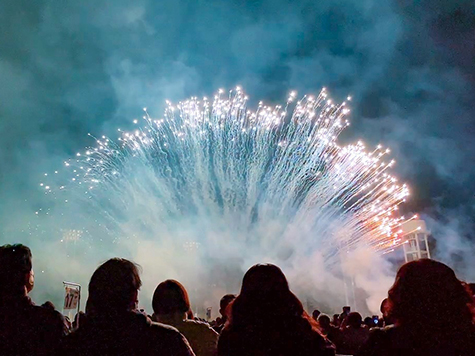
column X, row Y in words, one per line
column 428, row 311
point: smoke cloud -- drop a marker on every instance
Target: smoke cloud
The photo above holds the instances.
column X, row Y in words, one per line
column 76, row 68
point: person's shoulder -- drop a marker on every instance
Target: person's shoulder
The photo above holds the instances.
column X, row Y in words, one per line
column 381, row 335
column 164, row 329
column 142, row 321
column 201, row 325
column 381, row 331
column 196, row 322
column 45, row 315
column 169, row 340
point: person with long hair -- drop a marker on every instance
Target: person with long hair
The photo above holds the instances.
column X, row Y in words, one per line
column 266, row 318
column 171, row 306
column 433, row 314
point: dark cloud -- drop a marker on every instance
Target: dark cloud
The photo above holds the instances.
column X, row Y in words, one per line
column 70, row 68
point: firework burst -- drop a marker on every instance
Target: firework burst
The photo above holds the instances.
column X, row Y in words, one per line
column 215, row 173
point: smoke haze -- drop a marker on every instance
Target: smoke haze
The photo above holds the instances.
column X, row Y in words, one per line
column 72, row 68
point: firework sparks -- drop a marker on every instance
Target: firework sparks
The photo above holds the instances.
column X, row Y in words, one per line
column 218, row 172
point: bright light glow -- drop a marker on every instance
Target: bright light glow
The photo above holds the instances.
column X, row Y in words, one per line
column 220, row 173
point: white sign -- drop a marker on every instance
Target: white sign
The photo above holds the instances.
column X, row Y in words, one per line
column 71, row 298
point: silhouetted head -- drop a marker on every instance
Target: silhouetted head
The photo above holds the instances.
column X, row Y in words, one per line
column 224, row 302
column 264, row 280
column 369, row 322
column 48, row 305
column 265, row 298
column 384, row 306
column 354, row 320
column 170, row 298
column 427, row 293
column 324, row 321
column 315, row 314
column 336, row 319
column 16, row 270
column 114, row 287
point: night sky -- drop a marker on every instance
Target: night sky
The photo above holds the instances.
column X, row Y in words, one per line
column 68, row 68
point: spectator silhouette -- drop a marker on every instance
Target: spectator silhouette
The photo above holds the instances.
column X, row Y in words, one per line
column 387, row 320
column 353, row 336
column 171, row 306
column 224, row 311
column 268, row 319
column 331, row 332
column 315, row 314
column 343, row 316
column 48, row 305
column 369, row 322
column 25, row 329
column 336, row 320
column 425, row 295
column 113, row 326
